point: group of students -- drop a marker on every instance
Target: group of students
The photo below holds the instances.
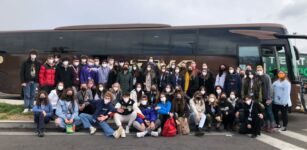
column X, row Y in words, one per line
column 152, row 98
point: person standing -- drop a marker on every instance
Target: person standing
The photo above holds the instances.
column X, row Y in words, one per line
column 124, row 78
column 281, row 102
column 29, row 79
column 64, row 73
column 47, row 75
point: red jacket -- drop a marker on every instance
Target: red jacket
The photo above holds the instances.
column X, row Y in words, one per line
column 47, row 75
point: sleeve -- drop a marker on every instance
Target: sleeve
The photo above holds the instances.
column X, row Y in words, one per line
column 288, row 90
column 22, row 73
column 42, row 75
column 36, row 109
column 217, row 80
column 57, row 75
column 165, row 110
column 59, row 111
column 90, row 94
column 192, row 105
column 50, row 111
column 76, row 110
column 153, row 115
column 82, row 76
column 117, row 105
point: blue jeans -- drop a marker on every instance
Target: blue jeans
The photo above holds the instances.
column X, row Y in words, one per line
column 29, row 94
column 76, row 122
column 40, row 120
column 88, row 119
column 269, row 117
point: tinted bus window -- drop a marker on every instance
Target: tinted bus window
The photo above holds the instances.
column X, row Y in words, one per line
column 59, row 41
column 12, row 43
column 156, row 42
column 37, row 40
column 249, row 55
column 221, row 42
column 90, row 42
column 183, row 42
column 124, row 42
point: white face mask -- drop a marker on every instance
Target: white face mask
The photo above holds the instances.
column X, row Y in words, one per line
column 56, row 59
column 231, row 71
column 97, row 63
column 163, row 70
column 104, row 65
column 144, row 102
column 211, row 100
column 126, row 99
column 134, row 68
column 163, row 99
column 83, row 60
column 251, row 76
column 100, row 88
column 50, row 61
column 203, row 92
column 65, row 63
column 107, row 101
column 248, row 102
column 121, row 64
column 90, row 64
column 177, row 70
column 138, row 89
column 33, row 56
column 151, row 60
column 115, row 89
column 204, row 73
column 173, row 66
column 76, row 63
column 218, row 91
column 167, row 89
column 260, row 73
column 232, row 96
column 60, row 87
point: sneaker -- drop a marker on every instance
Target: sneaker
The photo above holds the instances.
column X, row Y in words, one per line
column 118, row 132
column 277, row 126
column 127, row 130
column 154, row 133
column 141, row 134
column 92, row 130
column 40, row 134
column 283, row 129
column 159, row 130
column 123, row 133
column 26, row 110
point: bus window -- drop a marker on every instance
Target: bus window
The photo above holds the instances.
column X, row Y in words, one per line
column 156, row 42
column 183, row 42
column 12, row 43
column 248, row 55
column 90, row 42
column 60, row 41
column 37, row 40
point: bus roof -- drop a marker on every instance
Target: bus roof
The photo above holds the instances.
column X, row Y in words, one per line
column 149, row 26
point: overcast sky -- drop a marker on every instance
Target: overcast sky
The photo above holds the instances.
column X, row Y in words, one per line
column 48, row 14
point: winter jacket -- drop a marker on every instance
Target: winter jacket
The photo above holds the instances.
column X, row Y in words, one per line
column 102, row 108
column 177, row 80
column 41, row 108
column 128, row 107
column 76, row 75
column 47, row 75
column 281, row 93
column 25, row 71
column 64, row 75
column 66, row 111
column 197, row 108
column 53, row 98
column 88, row 73
column 149, row 113
column 208, row 82
column 103, row 74
column 165, row 108
column 233, row 83
column 220, row 80
column 125, row 81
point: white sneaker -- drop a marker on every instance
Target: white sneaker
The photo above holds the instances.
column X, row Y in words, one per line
column 92, row 130
column 31, row 110
column 159, row 130
column 141, row 134
column 127, row 129
column 26, row 110
column 123, row 133
column 118, row 133
column 155, row 134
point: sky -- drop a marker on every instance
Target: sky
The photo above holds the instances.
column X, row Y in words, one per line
column 49, row 14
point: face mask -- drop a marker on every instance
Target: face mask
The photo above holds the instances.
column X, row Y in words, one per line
column 231, row 71
column 144, row 103
column 281, row 76
column 248, row 102
column 97, row 63
column 104, row 65
column 69, row 97
column 115, row 88
column 167, row 89
column 148, row 69
column 76, row 63
column 163, row 99
column 204, row 73
column 100, row 88
column 60, row 87
column 203, row 92
column 107, row 101
column 260, row 73
column 232, row 96
column 218, row 91
column 138, row 89
column 50, row 61
column 177, row 71
column 33, row 56
column 251, row 76
column 211, row 100
column 56, row 59
column 163, row 70
column 65, row 63
column 121, row 64
column 150, row 60
column 173, row 66
column 90, row 64
column 83, row 61
column 126, row 99
column 134, row 68
column 42, row 99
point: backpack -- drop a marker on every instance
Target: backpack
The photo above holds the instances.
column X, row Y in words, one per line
column 183, row 127
column 169, row 129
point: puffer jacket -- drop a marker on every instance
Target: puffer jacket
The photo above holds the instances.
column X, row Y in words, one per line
column 47, row 75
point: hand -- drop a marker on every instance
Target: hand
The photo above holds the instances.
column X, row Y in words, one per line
column 147, row 122
column 218, row 118
column 23, row 84
column 157, row 108
column 226, row 113
column 71, row 121
column 66, row 121
column 152, row 126
column 171, row 115
column 260, row 116
column 44, row 113
column 249, row 126
column 237, row 114
column 102, row 118
column 120, row 110
column 82, row 106
column 177, row 121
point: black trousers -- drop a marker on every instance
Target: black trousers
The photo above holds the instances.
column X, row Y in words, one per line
column 284, row 114
column 255, row 130
column 228, row 121
column 40, row 120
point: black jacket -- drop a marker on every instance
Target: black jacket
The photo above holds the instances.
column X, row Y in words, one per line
column 25, row 71
column 64, row 75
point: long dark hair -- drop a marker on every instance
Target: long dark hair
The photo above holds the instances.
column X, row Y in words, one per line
column 64, row 95
column 38, row 100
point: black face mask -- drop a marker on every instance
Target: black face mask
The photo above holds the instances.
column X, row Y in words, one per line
column 69, row 97
column 41, row 99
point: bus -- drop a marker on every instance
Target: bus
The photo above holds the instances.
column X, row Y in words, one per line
column 230, row 44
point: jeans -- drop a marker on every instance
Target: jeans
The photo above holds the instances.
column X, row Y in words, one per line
column 269, row 117
column 29, row 94
column 88, row 119
column 61, row 122
column 40, row 120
